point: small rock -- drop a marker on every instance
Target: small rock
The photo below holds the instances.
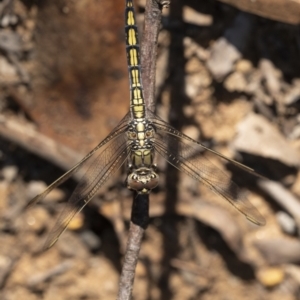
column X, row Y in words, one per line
column 69, row 245
column 235, row 82
column 10, row 173
column 257, row 136
column 77, row 222
column 34, row 188
column 294, row 272
column 192, row 48
column 223, row 56
column 286, row 222
column 56, row 195
column 191, row 90
column 189, row 47
column 142, row 3
column 91, row 240
column 295, row 137
column 9, row 20
column 193, row 65
column 141, row 270
column 8, row 73
column 292, row 96
column 228, row 49
column 202, row 53
column 188, row 111
column 244, row 66
column 37, row 187
column 271, row 75
column 192, row 132
column 197, row 78
column 10, row 41
column 262, row 97
column 37, row 279
column 37, row 219
column 270, row 276
column 194, row 17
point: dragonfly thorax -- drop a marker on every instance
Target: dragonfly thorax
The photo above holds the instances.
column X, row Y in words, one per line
column 140, row 130
column 141, row 135
column 142, row 180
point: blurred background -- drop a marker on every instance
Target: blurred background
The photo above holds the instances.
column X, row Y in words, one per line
column 228, row 75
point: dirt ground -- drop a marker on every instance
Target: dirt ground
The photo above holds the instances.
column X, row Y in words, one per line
column 225, row 77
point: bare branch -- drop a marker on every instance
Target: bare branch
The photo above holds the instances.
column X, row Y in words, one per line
column 140, row 207
column 24, row 135
column 138, row 224
column 149, row 48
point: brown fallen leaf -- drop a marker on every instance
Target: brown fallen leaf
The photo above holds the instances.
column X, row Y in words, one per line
column 281, row 10
column 257, row 136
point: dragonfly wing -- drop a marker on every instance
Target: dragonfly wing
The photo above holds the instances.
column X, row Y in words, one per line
column 107, row 162
column 165, row 127
column 121, row 127
column 181, row 153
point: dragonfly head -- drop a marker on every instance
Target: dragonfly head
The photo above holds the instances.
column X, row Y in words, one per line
column 142, row 180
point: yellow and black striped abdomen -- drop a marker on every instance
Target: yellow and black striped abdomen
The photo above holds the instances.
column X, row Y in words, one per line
column 137, row 103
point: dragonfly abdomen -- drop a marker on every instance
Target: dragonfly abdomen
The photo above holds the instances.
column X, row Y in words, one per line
column 137, row 103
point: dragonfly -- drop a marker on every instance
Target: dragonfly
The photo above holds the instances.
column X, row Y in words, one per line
column 137, row 140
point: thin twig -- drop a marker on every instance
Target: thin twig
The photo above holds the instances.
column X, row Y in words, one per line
column 138, row 224
column 140, row 207
column 152, row 23
column 24, row 135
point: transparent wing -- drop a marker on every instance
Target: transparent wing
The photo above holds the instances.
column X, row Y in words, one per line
column 121, row 127
column 165, row 127
column 107, row 162
column 181, row 152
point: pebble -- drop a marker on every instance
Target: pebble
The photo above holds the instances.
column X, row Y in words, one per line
column 191, row 131
column 193, row 16
column 191, row 48
column 292, row 96
column 10, row 173
column 194, row 65
column 77, row 222
column 223, row 57
column 188, row 111
column 91, row 240
column 70, row 246
column 286, row 222
column 236, row 82
column 38, row 219
column 270, row 276
column 243, row 66
column 36, row 187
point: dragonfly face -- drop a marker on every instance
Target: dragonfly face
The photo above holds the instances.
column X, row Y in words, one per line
column 142, row 180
